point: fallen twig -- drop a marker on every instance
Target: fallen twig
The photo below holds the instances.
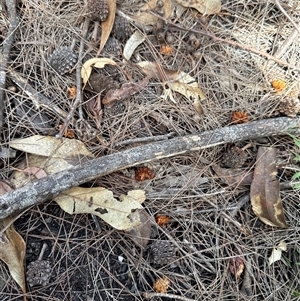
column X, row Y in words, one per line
column 7, row 44
column 38, row 99
column 78, row 98
column 277, row 3
column 39, row 190
column 171, row 296
column 211, row 35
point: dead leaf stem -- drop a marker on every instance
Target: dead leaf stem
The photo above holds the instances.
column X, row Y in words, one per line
column 39, row 190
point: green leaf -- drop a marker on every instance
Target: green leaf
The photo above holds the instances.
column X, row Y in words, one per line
column 296, row 175
column 297, row 157
column 296, row 186
column 296, row 140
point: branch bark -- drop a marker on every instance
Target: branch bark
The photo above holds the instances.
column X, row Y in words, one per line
column 40, row 190
column 7, row 44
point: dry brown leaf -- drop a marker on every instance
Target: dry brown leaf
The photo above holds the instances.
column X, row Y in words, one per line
column 134, row 41
column 205, row 7
column 141, row 234
column 124, row 92
column 121, row 214
column 35, row 171
column 12, row 251
column 232, row 176
column 264, row 192
column 145, row 17
column 87, row 67
column 4, row 187
column 49, row 154
column 50, row 146
column 277, row 251
column 177, row 81
column 186, row 85
column 108, row 24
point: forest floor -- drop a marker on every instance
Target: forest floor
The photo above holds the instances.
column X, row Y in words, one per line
column 206, row 241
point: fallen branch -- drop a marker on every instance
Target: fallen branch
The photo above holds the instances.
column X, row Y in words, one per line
column 7, row 44
column 41, row 189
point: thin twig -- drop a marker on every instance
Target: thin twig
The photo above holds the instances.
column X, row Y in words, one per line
column 277, row 3
column 170, row 24
column 38, row 99
column 171, row 296
column 44, row 247
column 227, row 217
column 145, row 139
column 39, row 190
column 7, row 44
column 78, row 98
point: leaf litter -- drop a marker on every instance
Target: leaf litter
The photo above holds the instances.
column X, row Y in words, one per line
column 230, row 80
column 265, row 193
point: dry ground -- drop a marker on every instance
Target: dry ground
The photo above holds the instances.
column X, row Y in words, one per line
column 101, row 264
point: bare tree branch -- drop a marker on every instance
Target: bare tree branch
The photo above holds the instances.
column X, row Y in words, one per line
column 7, row 44
column 41, row 189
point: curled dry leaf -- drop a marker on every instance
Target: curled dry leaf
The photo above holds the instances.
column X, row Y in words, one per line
column 121, row 214
column 177, row 81
column 134, row 41
column 145, row 16
column 205, row 7
column 276, row 252
column 264, row 191
column 108, row 24
column 86, row 68
column 12, row 251
column 161, row 285
column 124, row 92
